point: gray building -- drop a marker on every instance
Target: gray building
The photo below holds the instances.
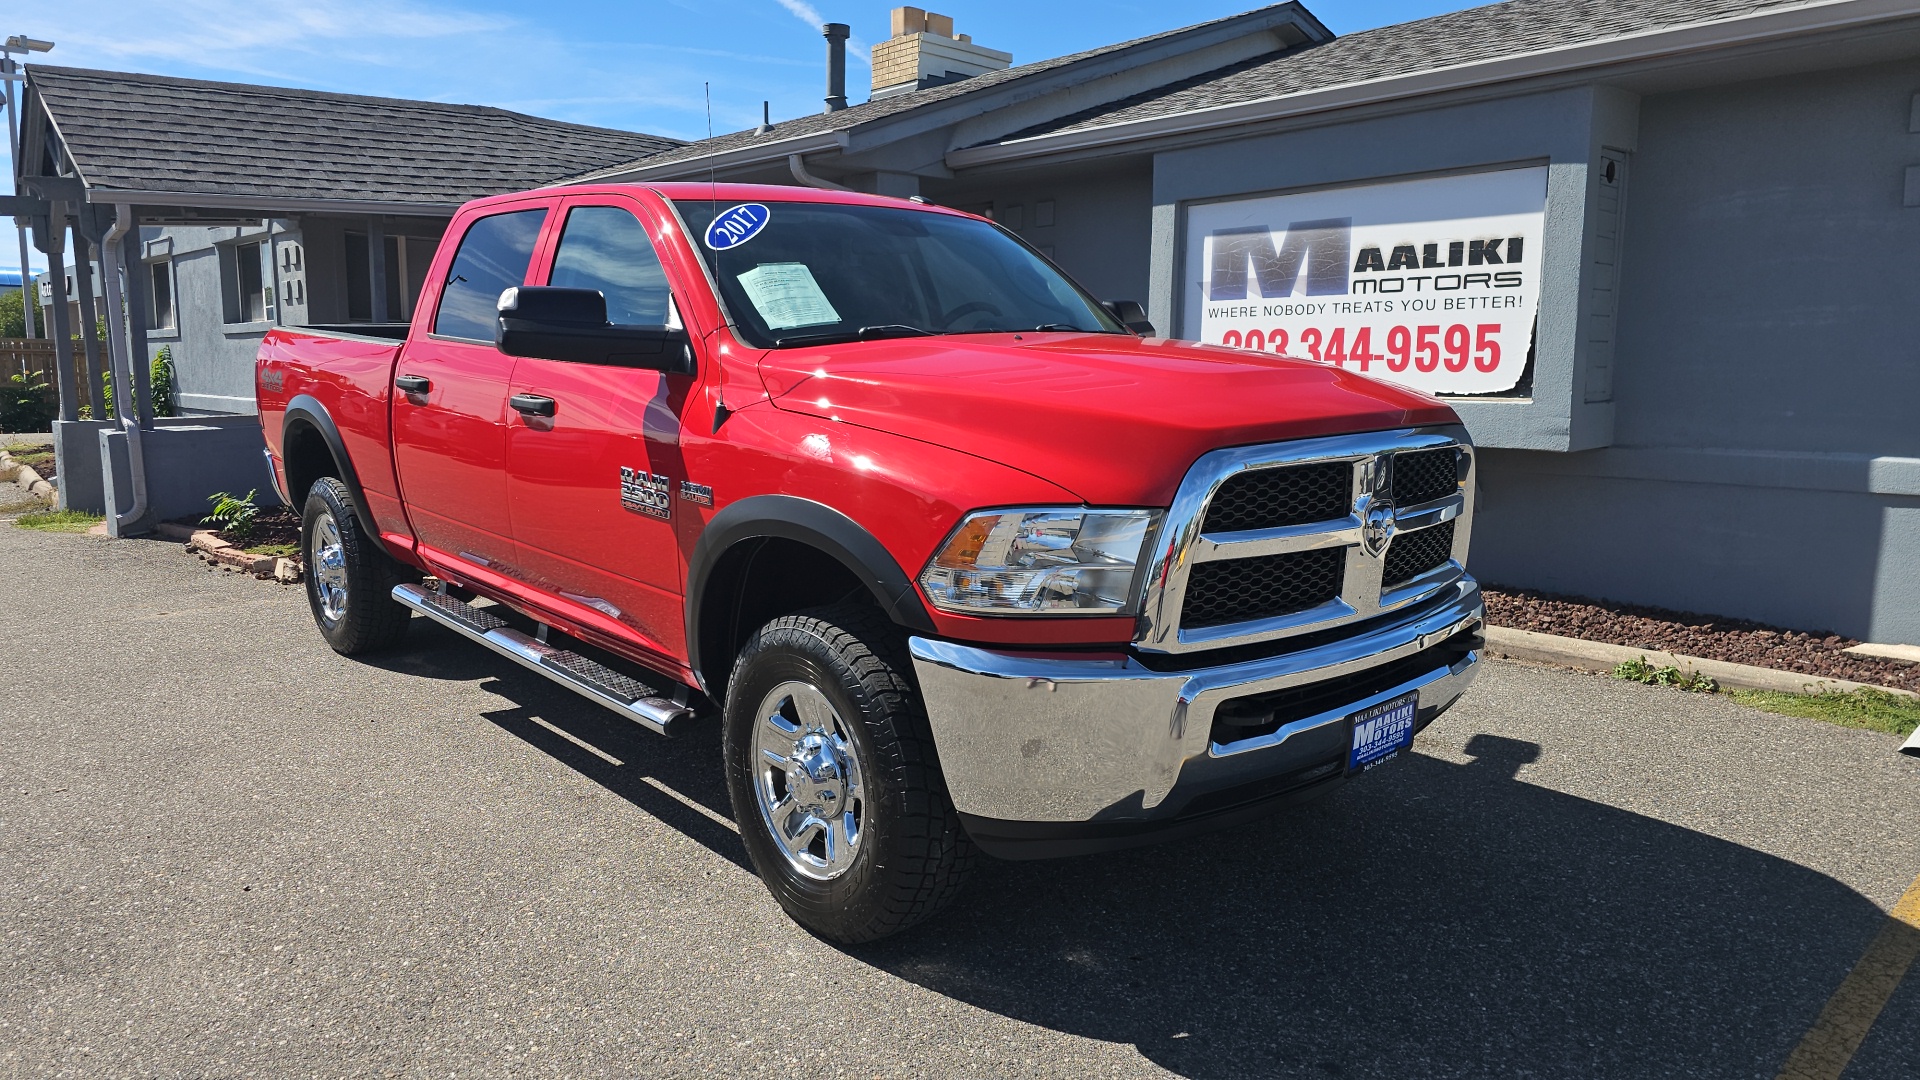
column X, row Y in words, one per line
column 264, row 206
column 1702, row 214
column 218, row 211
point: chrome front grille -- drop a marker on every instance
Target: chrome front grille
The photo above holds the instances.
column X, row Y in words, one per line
column 1271, row 498
column 1262, row 587
column 1415, row 553
column 1267, row 542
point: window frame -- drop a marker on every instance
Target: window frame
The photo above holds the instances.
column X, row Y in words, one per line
column 233, row 313
column 558, row 229
column 433, row 292
column 157, row 267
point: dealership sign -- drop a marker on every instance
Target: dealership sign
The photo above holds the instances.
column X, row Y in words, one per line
column 1433, row 284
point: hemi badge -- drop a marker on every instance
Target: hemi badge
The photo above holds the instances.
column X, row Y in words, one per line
column 697, row 494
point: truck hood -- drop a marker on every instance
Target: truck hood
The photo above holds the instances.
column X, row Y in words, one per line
column 1115, row 419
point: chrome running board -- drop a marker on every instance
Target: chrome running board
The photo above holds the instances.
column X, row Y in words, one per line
column 589, row 678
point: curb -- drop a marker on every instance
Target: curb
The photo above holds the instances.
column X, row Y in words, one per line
column 26, row 477
column 1602, row 657
column 206, row 544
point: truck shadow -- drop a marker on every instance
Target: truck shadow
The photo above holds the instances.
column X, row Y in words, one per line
column 637, row 765
column 1431, row 919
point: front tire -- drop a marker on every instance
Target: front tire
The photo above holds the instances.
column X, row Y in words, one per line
column 349, row 580
column 834, row 779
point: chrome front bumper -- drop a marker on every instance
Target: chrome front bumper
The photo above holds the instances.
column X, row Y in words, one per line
column 1071, row 738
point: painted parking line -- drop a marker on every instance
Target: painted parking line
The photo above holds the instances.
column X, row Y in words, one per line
column 1843, row 1025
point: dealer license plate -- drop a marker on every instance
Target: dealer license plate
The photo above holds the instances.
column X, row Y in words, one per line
column 1382, row 731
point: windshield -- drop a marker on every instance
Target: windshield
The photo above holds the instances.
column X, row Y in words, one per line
column 810, row 273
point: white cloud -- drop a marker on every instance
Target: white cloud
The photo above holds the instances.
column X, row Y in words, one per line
column 810, row 15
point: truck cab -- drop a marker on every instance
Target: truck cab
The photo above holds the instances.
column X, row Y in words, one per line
column 961, row 558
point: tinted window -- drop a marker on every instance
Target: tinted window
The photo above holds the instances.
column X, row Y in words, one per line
column 606, row 248
column 493, row 258
column 824, row 271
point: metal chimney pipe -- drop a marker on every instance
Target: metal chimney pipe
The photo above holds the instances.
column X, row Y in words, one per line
column 836, row 35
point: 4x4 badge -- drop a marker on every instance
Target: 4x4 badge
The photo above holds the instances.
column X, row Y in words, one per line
column 645, row 493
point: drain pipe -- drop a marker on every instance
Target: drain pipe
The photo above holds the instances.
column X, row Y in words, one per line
column 123, row 381
column 798, row 166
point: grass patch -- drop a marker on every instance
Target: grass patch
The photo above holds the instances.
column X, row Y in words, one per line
column 1640, row 671
column 62, row 521
column 278, row 551
column 1874, row 710
column 39, row 458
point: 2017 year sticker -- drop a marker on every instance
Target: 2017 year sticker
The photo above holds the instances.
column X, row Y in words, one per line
column 736, row 225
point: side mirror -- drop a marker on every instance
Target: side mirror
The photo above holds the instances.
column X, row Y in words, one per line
column 1132, row 316
column 571, row 325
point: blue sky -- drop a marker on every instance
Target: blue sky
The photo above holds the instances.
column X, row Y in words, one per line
column 638, row 64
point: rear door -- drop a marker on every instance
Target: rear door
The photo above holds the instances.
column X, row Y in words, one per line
column 450, row 391
column 594, row 488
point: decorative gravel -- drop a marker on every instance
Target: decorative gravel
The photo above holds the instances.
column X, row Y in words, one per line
column 1710, row 637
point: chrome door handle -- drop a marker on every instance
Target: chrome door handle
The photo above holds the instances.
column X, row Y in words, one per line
column 531, row 405
column 413, row 384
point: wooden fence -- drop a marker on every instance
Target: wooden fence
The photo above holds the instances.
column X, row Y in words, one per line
column 36, row 354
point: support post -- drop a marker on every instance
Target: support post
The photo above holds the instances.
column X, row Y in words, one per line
column 376, row 270
column 89, row 319
column 136, row 286
column 57, row 309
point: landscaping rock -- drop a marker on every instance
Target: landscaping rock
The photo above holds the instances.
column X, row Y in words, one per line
column 1711, row 637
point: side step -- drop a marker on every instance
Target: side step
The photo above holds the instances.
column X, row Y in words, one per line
column 591, row 679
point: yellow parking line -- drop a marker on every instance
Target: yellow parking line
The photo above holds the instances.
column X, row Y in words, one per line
column 1843, row 1025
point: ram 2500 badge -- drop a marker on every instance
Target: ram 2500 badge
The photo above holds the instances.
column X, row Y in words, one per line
column 961, row 559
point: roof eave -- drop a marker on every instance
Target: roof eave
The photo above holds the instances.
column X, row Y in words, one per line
column 270, row 205
column 1757, row 28
column 758, row 154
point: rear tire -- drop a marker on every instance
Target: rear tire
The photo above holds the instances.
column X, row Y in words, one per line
column 852, row 830
column 349, row 579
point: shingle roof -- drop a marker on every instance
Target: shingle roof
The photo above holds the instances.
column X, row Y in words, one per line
column 1462, row 37
column 854, row 116
column 152, row 133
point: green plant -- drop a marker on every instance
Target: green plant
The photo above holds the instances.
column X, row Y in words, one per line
column 26, row 403
column 1874, row 710
column 65, row 521
column 233, row 515
column 160, row 382
column 13, row 319
column 1640, row 671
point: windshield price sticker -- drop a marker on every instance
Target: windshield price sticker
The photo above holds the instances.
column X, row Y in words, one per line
column 736, row 225
column 1433, row 284
column 787, row 296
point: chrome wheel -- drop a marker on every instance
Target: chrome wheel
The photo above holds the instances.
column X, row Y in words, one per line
column 327, row 562
column 807, row 780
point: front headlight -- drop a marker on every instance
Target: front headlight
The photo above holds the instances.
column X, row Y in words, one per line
column 1067, row 561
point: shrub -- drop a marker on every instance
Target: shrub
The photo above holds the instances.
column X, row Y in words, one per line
column 160, row 382
column 26, row 403
column 232, row 515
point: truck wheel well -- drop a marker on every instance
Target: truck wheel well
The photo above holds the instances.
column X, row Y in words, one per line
column 307, row 458
column 757, row 581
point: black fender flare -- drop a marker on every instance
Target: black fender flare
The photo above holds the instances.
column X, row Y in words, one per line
column 817, row 525
column 305, row 408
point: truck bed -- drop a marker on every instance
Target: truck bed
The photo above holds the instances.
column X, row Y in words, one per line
column 346, row 373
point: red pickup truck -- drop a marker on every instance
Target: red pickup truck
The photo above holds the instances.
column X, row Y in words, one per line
column 962, row 558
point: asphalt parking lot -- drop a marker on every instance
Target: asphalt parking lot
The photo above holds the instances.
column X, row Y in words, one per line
column 225, row 852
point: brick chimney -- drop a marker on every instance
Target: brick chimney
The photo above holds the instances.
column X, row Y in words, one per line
column 923, row 51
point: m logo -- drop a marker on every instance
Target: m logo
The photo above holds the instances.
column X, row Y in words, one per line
column 1323, row 246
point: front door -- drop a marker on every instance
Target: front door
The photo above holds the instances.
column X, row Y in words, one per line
column 593, row 488
column 450, row 397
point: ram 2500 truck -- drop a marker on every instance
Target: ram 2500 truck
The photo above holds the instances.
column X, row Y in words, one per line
column 962, row 559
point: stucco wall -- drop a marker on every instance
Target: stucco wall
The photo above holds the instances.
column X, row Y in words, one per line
column 1101, row 220
column 1766, row 457
column 212, row 360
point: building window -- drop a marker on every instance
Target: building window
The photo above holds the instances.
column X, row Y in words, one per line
column 160, row 295
column 404, row 260
column 243, row 283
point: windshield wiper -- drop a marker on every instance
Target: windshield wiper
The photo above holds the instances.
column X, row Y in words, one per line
column 865, row 333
